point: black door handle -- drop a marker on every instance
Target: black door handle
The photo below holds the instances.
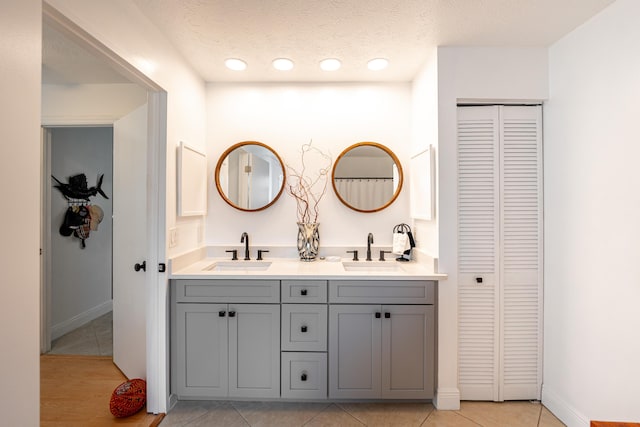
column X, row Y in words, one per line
column 221, row 313
column 303, row 328
column 303, row 292
column 387, row 315
column 377, row 315
column 139, row 266
column 303, row 377
column 232, row 314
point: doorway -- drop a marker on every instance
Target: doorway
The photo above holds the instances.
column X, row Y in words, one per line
column 80, row 254
column 135, row 322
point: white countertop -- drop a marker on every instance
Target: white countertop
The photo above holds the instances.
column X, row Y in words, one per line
column 289, row 268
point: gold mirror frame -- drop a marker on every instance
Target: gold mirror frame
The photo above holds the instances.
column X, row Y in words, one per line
column 219, row 166
column 390, row 154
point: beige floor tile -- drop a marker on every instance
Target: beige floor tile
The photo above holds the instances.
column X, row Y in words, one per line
column 502, row 414
column 333, row 416
column 79, row 341
column 186, row 411
column 448, row 419
column 219, row 414
column 389, row 413
column 278, row 414
column 547, row 419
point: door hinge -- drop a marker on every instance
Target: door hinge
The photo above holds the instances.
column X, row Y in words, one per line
column 162, row 267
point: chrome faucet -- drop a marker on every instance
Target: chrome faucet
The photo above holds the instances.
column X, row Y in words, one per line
column 369, row 242
column 245, row 239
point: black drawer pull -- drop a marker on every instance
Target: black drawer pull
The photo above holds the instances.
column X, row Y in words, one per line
column 387, row 315
column 303, row 292
column 377, row 314
column 303, row 377
column 478, row 279
column 221, row 313
column 232, row 314
column 303, row 328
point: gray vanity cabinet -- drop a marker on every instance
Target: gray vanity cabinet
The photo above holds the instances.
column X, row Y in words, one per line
column 225, row 349
column 382, row 350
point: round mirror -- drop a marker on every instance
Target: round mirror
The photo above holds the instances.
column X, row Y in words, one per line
column 250, row 176
column 367, row 177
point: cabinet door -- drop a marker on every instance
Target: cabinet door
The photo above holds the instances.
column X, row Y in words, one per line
column 254, row 350
column 201, row 341
column 354, row 351
column 408, row 351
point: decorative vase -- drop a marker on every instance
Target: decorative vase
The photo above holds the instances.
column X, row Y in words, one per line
column 308, row 240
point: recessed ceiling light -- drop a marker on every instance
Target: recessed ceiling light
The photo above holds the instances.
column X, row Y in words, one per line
column 235, row 64
column 282, row 64
column 330, row 64
column 378, row 64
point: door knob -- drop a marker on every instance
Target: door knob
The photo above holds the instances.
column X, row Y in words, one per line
column 303, row 377
column 139, row 266
column 303, row 328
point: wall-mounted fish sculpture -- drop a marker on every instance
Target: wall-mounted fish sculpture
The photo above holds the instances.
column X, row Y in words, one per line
column 77, row 187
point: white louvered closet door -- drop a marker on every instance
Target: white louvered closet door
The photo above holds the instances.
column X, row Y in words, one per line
column 500, row 252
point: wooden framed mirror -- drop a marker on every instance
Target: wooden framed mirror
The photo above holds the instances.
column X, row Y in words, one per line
column 250, row 176
column 367, row 177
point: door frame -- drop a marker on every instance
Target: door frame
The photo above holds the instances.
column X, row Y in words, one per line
column 155, row 284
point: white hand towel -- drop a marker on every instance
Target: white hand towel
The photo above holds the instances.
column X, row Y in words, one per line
column 400, row 243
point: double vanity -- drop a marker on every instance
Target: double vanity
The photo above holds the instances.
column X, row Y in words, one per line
column 285, row 329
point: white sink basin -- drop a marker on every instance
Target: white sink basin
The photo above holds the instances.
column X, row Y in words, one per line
column 238, row 266
column 390, row 266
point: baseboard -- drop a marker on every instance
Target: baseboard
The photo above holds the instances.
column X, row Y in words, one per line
column 563, row 410
column 447, row 399
column 173, row 400
column 81, row 319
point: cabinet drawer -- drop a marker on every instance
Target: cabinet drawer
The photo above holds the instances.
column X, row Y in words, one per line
column 304, row 291
column 304, row 375
column 304, row 327
column 224, row 290
column 382, row 291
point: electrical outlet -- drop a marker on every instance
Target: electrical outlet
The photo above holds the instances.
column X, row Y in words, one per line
column 173, row 237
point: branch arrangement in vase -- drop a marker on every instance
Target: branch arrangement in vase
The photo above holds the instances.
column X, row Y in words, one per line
column 308, row 189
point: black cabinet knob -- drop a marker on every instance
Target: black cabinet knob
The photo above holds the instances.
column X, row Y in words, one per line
column 221, row 313
column 478, row 279
column 139, row 266
column 303, row 292
column 378, row 314
column 232, row 314
column 303, row 377
column 303, row 328
column 387, row 315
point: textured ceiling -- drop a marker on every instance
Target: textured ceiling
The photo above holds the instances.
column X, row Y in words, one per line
column 207, row 32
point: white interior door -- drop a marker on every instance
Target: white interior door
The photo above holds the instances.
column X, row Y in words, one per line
column 130, row 242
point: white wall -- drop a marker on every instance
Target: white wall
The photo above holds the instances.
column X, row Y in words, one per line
column 285, row 116
column 20, row 48
column 592, row 206
column 89, row 103
column 80, row 278
column 479, row 74
column 424, row 123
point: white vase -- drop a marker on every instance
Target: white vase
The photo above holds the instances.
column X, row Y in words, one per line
column 308, row 240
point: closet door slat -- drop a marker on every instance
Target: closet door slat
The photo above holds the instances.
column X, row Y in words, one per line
column 478, row 207
column 521, row 252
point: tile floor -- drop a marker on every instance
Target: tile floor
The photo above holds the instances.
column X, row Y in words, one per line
column 284, row 414
column 93, row 339
column 96, row 338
